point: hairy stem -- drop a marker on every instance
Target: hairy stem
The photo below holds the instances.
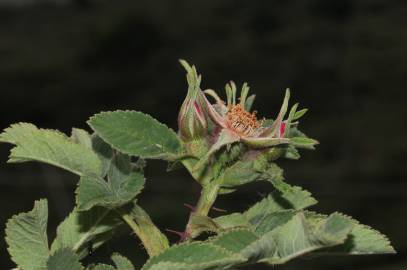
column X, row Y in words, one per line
column 209, row 193
column 152, row 238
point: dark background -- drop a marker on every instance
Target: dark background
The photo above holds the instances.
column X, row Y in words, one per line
column 63, row 61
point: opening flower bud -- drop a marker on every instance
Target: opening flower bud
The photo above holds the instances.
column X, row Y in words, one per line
column 193, row 116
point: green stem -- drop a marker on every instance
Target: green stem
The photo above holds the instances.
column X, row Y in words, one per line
column 209, row 193
column 152, row 238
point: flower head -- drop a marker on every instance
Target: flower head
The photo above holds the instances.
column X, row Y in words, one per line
column 237, row 119
column 238, row 124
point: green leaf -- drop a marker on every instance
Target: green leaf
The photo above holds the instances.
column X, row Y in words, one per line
column 282, row 236
column 285, row 197
column 235, row 240
column 50, row 146
column 81, row 230
column 362, row 239
column 232, row 221
column 104, row 152
column 239, row 173
column 103, row 267
column 135, row 133
column 293, row 196
column 123, row 185
column 297, row 237
column 157, row 241
column 196, row 255
column 199, row 224
column 365, row 240
column 271, row 221
column 81, row 136
column 121, row 263
column 26, row 236
column 64, row 259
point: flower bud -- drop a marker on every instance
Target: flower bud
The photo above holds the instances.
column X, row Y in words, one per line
column 193, row 116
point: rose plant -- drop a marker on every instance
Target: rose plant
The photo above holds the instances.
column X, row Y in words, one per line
column 223, row 145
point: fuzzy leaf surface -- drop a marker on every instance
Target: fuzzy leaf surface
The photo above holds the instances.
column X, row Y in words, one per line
column 123, row 185
column 50, row 146
column 362, row 240
column 26, row 237
column 298, row 237
column 64, row 259
column 81, row 230
column 136, row 133
column 121, row 263
column 196, row 255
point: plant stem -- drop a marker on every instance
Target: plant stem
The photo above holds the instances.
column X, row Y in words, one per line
column 209, row 193
column 152, row 238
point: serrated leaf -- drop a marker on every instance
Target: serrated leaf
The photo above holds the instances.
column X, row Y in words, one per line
column 239, row 173
column 64, row 259
column 269, row 222
column 293, row 196
column 121, row 263
column 50, row 146
column 196, row 255
column 296, row 237
column 93, row 191
column 247, row 244
column 365, row 240
column 235, row 241
column 26, row 237
column 81, row 230
column 232, row 220
column 123, row 185
column 81, row 136
column 361, row 240
column 290, row 198
column 103, row 267
column 135, row 133
column 285, row 197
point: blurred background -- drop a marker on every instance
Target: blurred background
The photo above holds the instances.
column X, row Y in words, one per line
column 62, row 61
